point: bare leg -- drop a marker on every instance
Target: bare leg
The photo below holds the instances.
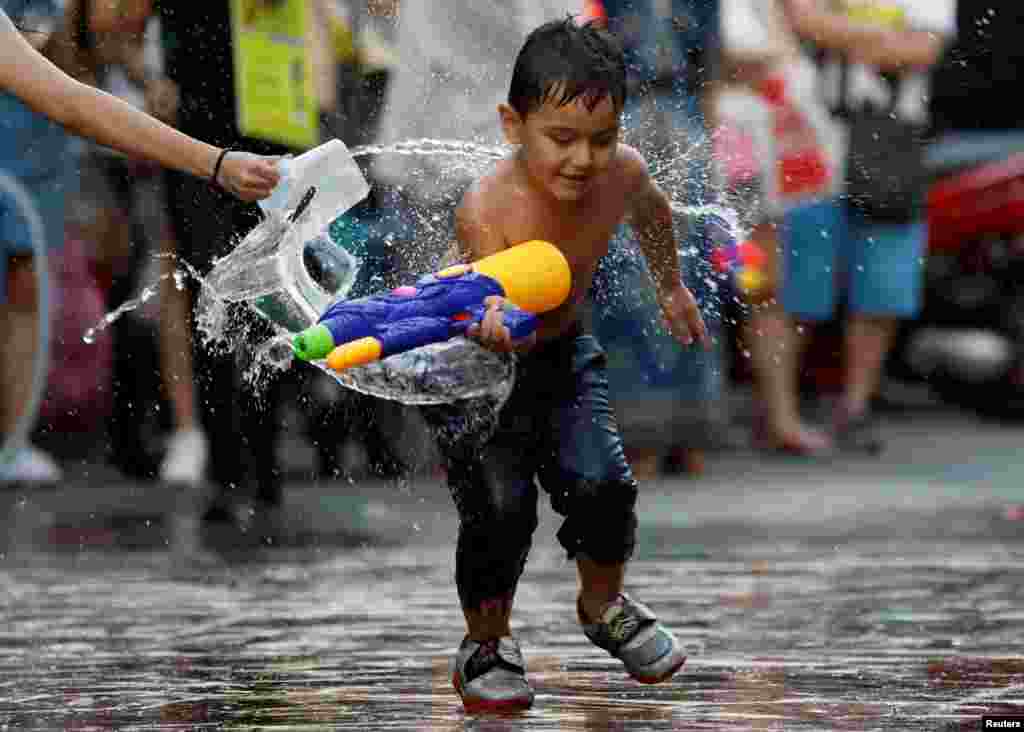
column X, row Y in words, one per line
column 19, row 332
column 599, row 584
column 176, row 346
column 185, row 461
column 491, row 619
column 776, row 346
column 866, row 345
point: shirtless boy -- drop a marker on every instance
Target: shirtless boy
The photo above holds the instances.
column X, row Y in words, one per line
column 571, row 182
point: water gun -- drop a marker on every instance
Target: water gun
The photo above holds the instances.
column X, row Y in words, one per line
column 533, row 276
column 746, row 261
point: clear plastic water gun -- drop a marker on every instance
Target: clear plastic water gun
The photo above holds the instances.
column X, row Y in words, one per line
column 533, row 276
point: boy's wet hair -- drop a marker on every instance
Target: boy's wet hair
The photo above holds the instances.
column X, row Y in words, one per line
column 562, row 61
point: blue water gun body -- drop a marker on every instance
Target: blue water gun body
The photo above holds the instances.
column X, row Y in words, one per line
column 533, row 276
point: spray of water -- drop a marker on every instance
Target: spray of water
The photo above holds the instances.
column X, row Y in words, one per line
column 254, row 274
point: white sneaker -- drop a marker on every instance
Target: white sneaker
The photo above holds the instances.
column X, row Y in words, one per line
column 185, row 460
column 29, row 464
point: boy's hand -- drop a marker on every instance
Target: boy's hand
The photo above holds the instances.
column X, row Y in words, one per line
column 491, row 332
column 683, row 316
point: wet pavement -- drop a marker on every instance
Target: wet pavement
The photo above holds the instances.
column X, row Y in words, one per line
column 851, row 594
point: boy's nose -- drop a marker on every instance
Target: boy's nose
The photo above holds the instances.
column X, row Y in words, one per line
column 582, row 154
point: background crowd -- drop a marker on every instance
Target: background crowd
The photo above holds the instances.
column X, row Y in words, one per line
column 727, row 99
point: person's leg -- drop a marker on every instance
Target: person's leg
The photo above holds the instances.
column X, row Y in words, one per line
column 591, row 484
column 491, row 482
column 19, row 332
column 600, row 584
column 187, row 455
column 865, row 348
column 809, row 241
column 202, row 227
column 106, row 215
column 176, row 342
column 494, row 495
column 19, row 318
column 885, row 287
column 775, row 345
column 489, row 453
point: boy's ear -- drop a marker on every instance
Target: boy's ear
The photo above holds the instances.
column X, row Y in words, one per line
column 511, row 124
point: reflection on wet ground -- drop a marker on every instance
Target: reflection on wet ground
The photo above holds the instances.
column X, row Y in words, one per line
column 874, row 634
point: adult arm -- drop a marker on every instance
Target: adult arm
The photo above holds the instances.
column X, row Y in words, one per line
column 94, row 114
column 886, row 48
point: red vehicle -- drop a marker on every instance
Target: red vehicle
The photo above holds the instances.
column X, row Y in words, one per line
column 968, row 342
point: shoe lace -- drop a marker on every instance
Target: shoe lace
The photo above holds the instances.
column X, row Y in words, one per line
column 485, row 658
column 622, row 626
column 487, row 653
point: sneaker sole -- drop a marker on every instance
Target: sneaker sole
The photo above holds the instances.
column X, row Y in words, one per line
column 493, row 706
column 661, row 677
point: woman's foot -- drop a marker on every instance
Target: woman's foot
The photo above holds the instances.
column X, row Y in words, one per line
column 797, row 439
column 856, row 430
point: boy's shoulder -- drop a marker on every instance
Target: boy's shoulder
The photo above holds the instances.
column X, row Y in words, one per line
column 631, row 164
column 488, row 197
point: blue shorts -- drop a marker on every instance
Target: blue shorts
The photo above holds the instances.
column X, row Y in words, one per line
column 829, row 248
column 15, row 239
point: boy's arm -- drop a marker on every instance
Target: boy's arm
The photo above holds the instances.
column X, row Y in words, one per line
column 887, row 48
column 650, row 213
column 477, row 236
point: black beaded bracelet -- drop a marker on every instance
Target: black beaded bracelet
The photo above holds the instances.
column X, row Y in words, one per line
column 216, row 167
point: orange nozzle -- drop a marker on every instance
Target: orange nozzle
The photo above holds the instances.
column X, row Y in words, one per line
column 356, row 353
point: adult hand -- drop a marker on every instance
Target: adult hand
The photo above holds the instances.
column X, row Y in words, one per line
column 683, row 317
column 248, row 176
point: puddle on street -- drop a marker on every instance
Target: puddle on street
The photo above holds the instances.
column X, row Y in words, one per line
column 882, row 636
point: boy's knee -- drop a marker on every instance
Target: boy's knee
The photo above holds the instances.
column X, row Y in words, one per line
column 512, row 515
column 602, row 521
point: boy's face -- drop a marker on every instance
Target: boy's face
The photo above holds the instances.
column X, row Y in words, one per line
column 565, row 148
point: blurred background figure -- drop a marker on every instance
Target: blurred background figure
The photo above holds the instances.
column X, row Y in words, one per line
column 668, row 399
column 206, row 222
column 35, row 152
column 121, row 210
column 874, row 62
column 859, row 251
column 766, row 148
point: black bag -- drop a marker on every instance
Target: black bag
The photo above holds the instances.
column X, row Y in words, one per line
column 885, row 171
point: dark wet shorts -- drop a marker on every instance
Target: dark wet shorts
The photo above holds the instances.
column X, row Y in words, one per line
column 556, row 431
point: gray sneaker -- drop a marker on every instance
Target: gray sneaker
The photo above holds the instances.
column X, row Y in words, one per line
column 630, row 632
column 491, row 676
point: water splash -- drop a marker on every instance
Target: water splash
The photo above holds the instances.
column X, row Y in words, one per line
column 147, row 293
column 127, row 306
column 253, row 300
